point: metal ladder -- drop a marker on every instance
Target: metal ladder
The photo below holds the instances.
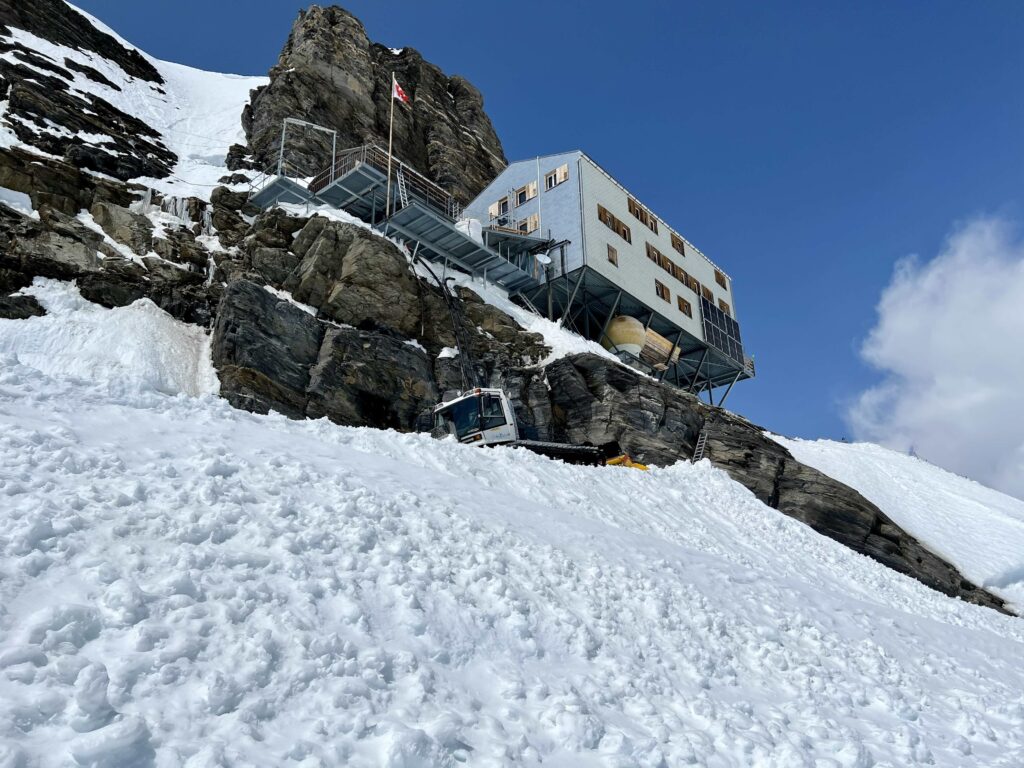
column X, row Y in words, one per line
column 702, row 443
column 403, row 190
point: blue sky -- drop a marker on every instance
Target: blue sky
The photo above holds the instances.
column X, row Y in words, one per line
column 804, row 146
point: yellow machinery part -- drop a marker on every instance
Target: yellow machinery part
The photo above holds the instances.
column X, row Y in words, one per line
column 625, row 461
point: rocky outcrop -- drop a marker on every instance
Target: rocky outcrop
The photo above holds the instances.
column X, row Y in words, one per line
column 170, row 267
column 56, row 21
column 330, row 73
column 369, row 330
column 58, row 185
column 44, row 110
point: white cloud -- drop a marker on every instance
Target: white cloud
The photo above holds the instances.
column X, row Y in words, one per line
column 950, row 343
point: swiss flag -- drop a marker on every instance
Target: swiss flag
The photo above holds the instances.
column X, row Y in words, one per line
column 397, row 92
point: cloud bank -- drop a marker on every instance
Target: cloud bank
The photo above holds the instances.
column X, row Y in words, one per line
column 950, row 343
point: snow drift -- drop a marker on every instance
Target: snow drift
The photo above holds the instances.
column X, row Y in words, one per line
column 979, row 530
column 182, row 583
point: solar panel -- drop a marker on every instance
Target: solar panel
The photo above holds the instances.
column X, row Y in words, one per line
column 721, row 331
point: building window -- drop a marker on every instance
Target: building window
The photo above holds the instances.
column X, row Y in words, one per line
column 529, row 224
column 644, row 215
column 679, row 274
column 614, row 224
column 692, row 284
column 684, row 306
column 720, row 279
column 613, row 255
column 663, row 292
column 707, row 294
column 725, row 307
column 652, row 253
column 677, row 243
column 525, row 193
column 556, row 177
column 499, row 208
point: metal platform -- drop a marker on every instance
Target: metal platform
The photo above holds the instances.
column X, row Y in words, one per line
column 586, row 301
column 420, row 212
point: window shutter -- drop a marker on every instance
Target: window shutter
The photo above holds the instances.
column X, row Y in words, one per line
column 534, row 221
column 563, row 174
column 531, row 190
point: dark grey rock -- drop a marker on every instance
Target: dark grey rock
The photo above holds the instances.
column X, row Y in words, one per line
column 356, row 278
column 124, row 226
column 19, row 307
column 57, row 22
column 369, row 379
column 263, row 348
column 331, row 74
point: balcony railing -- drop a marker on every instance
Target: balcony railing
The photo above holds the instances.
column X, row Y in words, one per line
column 416, row 183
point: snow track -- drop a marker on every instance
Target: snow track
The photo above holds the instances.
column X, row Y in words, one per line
column 182, row 583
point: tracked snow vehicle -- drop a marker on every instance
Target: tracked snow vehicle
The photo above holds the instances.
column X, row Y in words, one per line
column 484, row 416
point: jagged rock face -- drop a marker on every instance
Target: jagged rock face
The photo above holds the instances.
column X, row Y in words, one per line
column 56, row 21
column 171, row 271
column 272, row 355
column 45, row 111
column 369, row 356
column 329, row 73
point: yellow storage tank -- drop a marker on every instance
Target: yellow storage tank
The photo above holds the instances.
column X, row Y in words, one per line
column 628, row 335
column 625, row 333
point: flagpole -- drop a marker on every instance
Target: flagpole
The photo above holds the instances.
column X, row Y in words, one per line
column 391, row 134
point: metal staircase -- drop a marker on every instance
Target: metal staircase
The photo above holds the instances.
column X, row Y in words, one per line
column 702, row 444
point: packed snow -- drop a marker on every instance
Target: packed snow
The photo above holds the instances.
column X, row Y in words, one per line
column 979, row 530
column 182, row 583
column 135, row 348
column 198, row 113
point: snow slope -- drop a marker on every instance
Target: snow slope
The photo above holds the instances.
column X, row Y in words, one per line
column 979, row 530
column 198, row 113
column 182, row 583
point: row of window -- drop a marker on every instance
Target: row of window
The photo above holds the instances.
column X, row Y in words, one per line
column 645, row 216
column 663, row 291
column 651, row 222
column 684, row 306
column 613, row 223
column 528, row 191
column 682, row 275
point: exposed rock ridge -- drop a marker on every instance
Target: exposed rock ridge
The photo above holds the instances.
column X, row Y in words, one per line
column 46, row 112
column 56, row 21
column 331, row 74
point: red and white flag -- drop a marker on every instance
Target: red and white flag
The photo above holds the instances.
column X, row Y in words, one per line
column 397, row 92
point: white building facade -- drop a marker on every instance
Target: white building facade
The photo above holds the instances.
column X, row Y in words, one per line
column 627, row 261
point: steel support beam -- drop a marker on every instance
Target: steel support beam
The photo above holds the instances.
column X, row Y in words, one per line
column 572, row 298
column 671, row 352
column 729, row 389
column 608, row 320
column 696, row 373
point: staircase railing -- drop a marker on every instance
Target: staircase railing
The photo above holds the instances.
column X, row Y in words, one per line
column 415, row 183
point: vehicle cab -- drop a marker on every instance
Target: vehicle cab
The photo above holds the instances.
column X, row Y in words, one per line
column 480, row 417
